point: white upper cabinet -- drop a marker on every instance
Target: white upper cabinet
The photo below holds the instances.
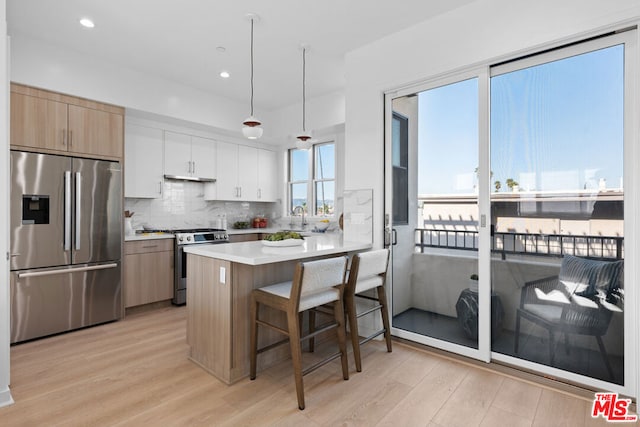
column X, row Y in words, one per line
column 143, row 175
column 226, row 186
column 203, row 157
column 244, row 174
column 267, row 176
column 189, row 156
column 248, row 172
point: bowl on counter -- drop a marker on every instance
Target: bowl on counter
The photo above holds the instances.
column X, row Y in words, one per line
column 321, row 226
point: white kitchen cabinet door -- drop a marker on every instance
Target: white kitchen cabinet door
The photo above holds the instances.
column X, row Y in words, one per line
column 248, row 173
column 267, row 176
column 203, row 157
column 177, row 154
column 143, row 162
column 226, row 186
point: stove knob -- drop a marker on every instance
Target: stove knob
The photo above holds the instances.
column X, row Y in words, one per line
column 188, row 238
column 180, row 239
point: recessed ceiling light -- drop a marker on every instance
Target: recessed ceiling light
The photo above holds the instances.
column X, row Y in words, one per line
column 221, row 49
column 86, row 22
column 224, row 74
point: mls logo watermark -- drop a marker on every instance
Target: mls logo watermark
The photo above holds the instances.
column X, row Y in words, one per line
column 612, row 408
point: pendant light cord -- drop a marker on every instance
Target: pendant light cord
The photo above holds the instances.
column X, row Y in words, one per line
column 251, row 68
column 304, row 68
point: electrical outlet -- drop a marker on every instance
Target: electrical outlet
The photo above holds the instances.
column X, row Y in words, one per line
column 223, row 275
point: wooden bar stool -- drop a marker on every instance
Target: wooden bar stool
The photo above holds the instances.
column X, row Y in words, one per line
column 315, row 283
column 368, row 271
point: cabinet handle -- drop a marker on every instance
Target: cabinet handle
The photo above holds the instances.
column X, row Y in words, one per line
column 160, row 188
column 70, row 137
column 64, row 137
column 259, row 193
column 194, row 167
column 189, row 166
column 239, row 191
column 150, row 246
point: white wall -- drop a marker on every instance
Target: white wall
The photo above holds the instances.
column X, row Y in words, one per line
column 482, row 32
column 5, row 394
column 37, row 63
column 322, row 114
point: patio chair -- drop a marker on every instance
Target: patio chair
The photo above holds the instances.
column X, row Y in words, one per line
column 580, row 300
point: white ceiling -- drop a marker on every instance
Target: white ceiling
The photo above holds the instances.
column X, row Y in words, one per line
column 178, row 39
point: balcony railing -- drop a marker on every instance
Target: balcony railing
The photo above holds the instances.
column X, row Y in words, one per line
column 555, row 245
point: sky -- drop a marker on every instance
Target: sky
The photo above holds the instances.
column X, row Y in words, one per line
column 555, row 126
column 301, row 170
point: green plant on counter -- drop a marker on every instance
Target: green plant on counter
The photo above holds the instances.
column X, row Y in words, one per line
column 283, row 235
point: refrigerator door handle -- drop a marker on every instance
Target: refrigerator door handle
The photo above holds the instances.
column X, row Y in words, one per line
column 67, row 270
column 78, row 208
column 67, row 210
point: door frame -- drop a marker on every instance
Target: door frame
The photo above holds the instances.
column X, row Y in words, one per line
column 483, row 352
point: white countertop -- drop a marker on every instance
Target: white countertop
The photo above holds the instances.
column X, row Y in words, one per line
column 148, row 236
column 255, row 253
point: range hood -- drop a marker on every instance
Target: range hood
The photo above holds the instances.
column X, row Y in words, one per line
column 189, row 178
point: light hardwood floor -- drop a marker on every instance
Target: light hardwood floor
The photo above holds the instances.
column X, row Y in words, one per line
column 136, row 373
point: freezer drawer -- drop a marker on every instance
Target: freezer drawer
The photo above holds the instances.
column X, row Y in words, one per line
column 48, row 301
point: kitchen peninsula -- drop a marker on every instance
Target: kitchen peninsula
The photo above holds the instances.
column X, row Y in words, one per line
column 219, row 282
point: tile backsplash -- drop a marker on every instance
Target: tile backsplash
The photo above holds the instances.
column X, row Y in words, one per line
column 183, row 206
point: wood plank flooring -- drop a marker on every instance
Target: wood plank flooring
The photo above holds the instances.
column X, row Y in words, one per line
column 136, row 373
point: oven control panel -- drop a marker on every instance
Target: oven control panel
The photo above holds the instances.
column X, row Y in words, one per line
column 202, row 237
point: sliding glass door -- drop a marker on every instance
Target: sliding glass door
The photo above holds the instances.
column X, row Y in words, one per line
column 434, row 217
column 519, row 175
column 558, row 143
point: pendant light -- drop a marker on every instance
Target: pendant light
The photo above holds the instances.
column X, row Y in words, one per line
column 251, row 128
column 304, row 135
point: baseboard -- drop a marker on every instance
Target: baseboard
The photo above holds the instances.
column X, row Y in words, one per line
column 147, row 307
column 5, row 398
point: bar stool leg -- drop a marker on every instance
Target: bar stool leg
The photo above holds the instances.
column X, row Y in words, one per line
column 312, row 328
column 350, row 305
column 296, row 355
column 338, row 312
column 382, row 299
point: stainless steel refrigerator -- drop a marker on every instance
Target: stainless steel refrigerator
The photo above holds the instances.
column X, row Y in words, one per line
column 66, row 232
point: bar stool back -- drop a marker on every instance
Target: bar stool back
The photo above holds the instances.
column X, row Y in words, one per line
column 368, row 271
column 315, row 283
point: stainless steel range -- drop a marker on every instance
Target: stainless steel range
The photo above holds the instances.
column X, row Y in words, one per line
column 191, row 237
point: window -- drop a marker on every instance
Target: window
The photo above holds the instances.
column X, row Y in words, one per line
column 400, row 143
column 312, row 178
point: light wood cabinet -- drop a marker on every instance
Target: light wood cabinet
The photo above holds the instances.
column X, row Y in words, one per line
column 95, row 132
column 218, row 314
column 55, row 123
column 38, row 122
column 244, row 174
column 148, row 271
column 143, row 173
column 249, row 237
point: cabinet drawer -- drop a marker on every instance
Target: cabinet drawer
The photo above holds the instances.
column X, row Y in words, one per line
column 146, row 246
